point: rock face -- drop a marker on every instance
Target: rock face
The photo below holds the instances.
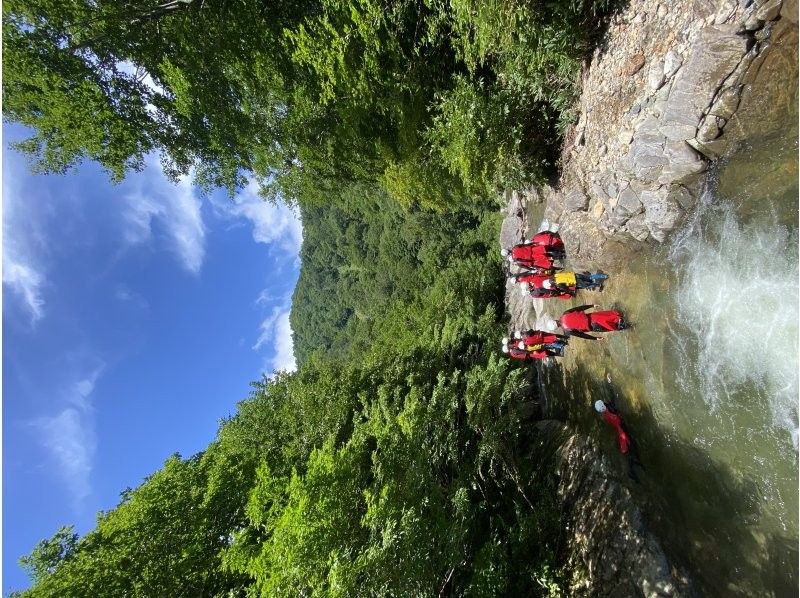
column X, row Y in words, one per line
column 611, row 552
column 654, row 109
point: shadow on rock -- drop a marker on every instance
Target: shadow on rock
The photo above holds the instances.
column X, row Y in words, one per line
column 699, row 509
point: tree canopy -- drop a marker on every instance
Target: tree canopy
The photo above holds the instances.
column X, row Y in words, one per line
column 419, row 96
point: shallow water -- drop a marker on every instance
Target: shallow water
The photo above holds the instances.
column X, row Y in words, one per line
column 707, row 379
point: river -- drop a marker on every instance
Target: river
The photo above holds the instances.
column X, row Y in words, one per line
column 707, row 378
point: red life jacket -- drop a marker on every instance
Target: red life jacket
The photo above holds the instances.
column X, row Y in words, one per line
column 538, row 337
column 523, row 354
column 532, row 255
column 535, row 280
column 548, row 239
column 605, row 320
column 576, row 320
column 622, row 438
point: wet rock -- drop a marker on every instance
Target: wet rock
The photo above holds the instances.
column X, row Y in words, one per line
column 789, row 11
column 662, row 213
column 637, row 227
column 726, row 102
column 682, row 196
column 769, row 11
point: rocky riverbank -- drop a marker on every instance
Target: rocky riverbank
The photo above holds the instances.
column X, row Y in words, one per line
column 660, row 100
column 667, row 92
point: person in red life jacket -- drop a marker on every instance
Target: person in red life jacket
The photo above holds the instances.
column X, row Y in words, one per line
column 577, row 322
column 550, row 240
column 529, row 352
column 527, row 255
column 626, row 445
column 540, row 337
column 611, row 415
column 544, row 286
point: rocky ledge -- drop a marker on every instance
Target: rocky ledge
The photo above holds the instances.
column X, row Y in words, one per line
column 658, row 96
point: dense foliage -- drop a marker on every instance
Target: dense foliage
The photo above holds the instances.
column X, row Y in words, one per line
column 395, row 461
column 394, row 468
column 419, row 96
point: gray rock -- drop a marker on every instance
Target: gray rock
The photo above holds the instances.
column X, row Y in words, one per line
column 655, row 76
column 625, row 136
column 682, row 196
column 627, row 205
column 637, row 227
column 662, row 213
column 647, row 174
column 711, row 149
column 672, row 62
column 711, row 128
column 629, row 201
column 714, row 56
column 683, row 162
column 769, row 11
column 726, row 102
column 575, row 200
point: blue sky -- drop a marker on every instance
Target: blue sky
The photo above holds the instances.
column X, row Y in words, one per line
column 134, row 318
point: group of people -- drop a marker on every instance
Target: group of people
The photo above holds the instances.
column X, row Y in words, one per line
column 538, row 275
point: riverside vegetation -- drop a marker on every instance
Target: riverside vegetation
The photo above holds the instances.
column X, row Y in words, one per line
column 395, row 461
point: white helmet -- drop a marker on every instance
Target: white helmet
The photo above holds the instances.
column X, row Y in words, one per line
column 521, row 344
column 517, row 334
column 505, row 341
column 599, row 406
column 548, row 284
column 505, row 349
column 504, row 252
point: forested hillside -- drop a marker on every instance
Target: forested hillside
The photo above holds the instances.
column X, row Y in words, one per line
column 395, row 460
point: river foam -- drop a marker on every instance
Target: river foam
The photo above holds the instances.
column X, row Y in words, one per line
column 738, row 294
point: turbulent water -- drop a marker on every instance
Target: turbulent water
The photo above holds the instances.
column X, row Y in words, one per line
column 738, row 298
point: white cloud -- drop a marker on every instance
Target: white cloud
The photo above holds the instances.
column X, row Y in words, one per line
column 22, row 273
column 272, row 224
column 177, row 210
column 26, row 282
column 69, row 437
column 277, row 331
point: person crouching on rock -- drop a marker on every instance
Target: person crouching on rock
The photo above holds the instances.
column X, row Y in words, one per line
column 540, row 337
column 529, row 352
column 546, row 286
column 577, row 322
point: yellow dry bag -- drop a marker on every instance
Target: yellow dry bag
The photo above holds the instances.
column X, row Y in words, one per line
column 566, row 279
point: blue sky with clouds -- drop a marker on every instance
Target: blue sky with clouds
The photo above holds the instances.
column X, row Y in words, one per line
column 134, row 318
